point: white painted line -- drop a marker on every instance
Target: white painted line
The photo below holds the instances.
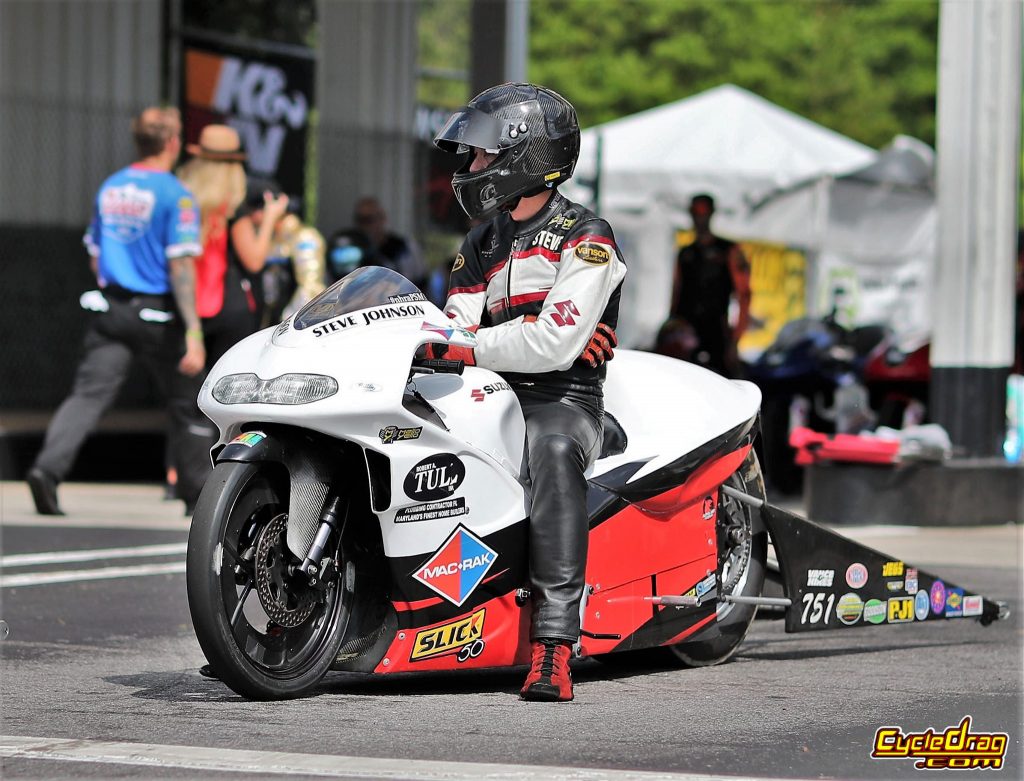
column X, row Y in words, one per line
column 98, row 521
column 91, row 554
column 327, row 765
column 74, row 575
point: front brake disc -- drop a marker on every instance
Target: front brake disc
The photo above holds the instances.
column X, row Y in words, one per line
column 287, row 602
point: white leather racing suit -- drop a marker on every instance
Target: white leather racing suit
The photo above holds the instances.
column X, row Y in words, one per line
column 563, row 267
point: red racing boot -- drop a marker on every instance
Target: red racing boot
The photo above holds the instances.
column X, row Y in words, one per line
column 549, row 679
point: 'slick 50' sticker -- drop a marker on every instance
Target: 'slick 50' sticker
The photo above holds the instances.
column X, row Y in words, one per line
column 462, row 636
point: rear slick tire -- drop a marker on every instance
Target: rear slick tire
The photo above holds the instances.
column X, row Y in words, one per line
column 243, row 506
column 743, row 571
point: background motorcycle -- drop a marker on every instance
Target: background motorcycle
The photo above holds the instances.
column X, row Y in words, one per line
column 810, row 376
column 897, row 374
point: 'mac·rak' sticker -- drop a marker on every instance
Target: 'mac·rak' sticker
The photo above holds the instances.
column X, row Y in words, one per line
column 458, row 566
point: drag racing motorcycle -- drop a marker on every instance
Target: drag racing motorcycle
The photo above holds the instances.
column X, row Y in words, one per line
column 369, row 510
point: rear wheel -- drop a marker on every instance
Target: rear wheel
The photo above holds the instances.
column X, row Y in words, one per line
column 741, row 561
column 266, row 631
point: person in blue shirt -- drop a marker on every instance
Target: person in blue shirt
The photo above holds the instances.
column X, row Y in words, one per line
column 143, row 240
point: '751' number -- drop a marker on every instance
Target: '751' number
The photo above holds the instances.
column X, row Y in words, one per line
column 819, row 609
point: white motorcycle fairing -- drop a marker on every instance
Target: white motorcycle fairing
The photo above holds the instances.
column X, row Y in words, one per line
column 443, row 451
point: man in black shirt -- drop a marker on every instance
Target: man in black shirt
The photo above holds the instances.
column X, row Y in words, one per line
column 709, row 273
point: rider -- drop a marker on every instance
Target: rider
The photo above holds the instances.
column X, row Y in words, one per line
column 540, row 278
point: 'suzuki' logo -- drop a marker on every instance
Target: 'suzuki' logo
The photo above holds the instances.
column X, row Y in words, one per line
column 565, row 310
column 458, row 566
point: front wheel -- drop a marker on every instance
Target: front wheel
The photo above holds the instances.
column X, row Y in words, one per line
column 267, row 633
column 741, row 562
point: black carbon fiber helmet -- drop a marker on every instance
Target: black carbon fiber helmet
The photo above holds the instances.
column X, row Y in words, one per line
column 534, row 132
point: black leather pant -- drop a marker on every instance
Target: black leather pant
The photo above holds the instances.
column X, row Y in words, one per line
column 563, row 439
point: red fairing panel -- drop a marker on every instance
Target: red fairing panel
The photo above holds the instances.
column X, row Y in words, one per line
column 634, row 556
column 494, row 634
column 663, row 545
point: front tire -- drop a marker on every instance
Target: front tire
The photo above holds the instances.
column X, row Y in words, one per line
column 742, row 568
column 267, row 635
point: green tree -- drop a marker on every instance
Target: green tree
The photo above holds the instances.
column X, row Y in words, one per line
column 865, row 69
column 443, row 57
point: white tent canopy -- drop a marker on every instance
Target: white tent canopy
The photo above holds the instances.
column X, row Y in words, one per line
column 725, row 141
column 870, row 233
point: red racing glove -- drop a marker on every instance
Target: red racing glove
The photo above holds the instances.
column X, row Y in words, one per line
column 600, row 347
column 464, row 354
column 451, row 352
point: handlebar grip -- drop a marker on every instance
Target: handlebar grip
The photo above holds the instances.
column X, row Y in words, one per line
column 440, row 365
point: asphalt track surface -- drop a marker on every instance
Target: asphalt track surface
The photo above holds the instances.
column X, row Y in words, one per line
column 98, row 679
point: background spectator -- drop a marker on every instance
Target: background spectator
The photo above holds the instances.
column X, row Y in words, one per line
column 143, row 239
column 711, row 273
column 386, row 248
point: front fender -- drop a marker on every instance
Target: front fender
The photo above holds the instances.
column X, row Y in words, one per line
column 314, row 463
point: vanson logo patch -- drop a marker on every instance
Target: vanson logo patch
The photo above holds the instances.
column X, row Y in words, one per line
column 458, row 566
column 594, row 254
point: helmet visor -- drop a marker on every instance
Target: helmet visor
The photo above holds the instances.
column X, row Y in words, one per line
column 469, row 127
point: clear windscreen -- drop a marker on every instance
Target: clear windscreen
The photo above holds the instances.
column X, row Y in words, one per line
column 364, row 288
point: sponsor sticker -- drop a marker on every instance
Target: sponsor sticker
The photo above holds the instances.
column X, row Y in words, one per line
column 594, row 254
column 406, row 298
column 551, row 176
column 901, row 610
column 457, row 567
column 390, row 434
column 435, row 477
column 856, row 575
column 894, row 585
column 450, row 638
column 821, row 578
column 938, row 597
column 921, row 605
column 249, row 438
column 957, row 748
column 708, row 508
column 446, row 508
column 910, row 581
column 460, row 261
column 892, row 569
column 849, row 608
column 973, row 605
column 954, row 602
column 874, row 611
column 367, row 317
column 704, row 587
